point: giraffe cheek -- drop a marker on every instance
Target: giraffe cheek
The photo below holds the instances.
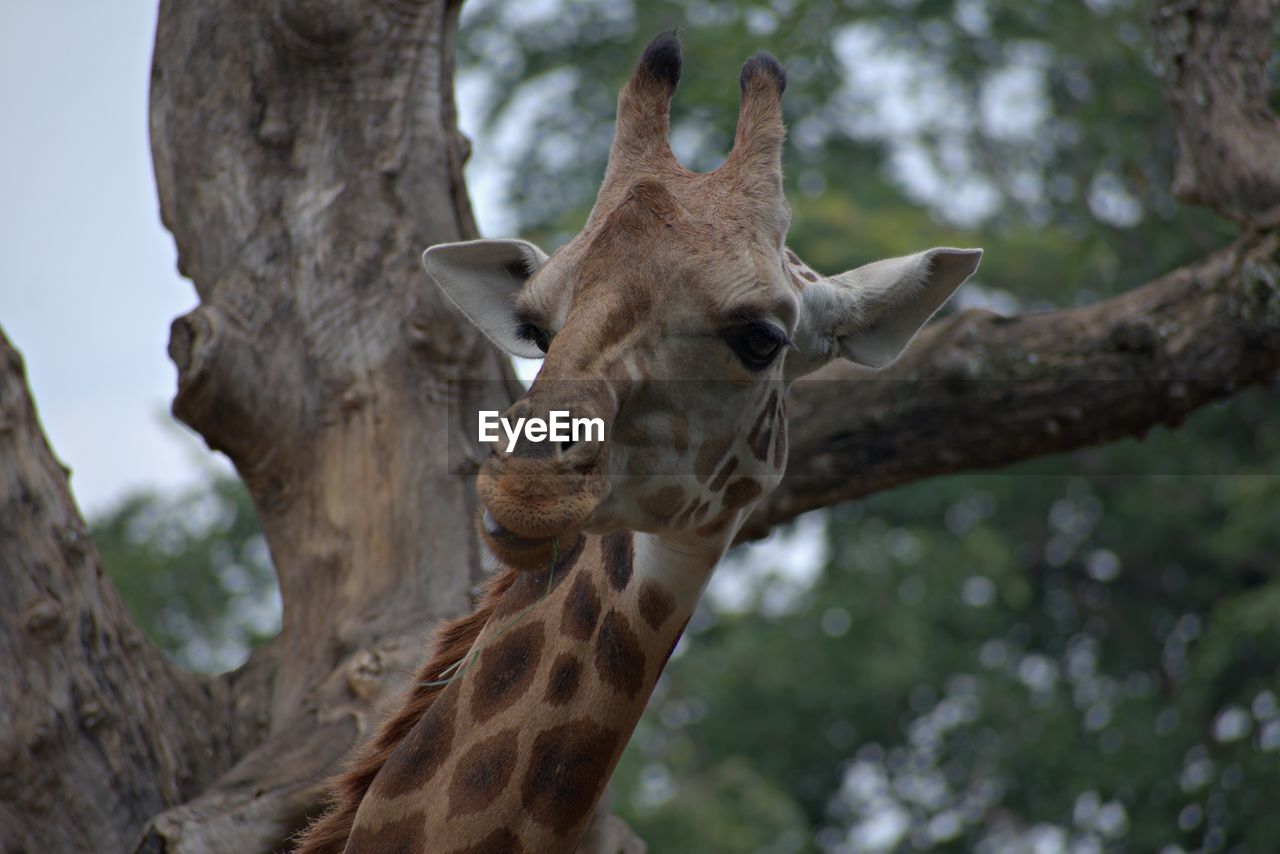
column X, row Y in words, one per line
column 742, row 492
column 661, row 504
column 780, row 448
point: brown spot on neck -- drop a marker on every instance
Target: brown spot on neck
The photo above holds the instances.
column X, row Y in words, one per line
column 483, row 772
column 531, row 586
column 501, row 841
column 581, row 609
column 619, row 656
column 568, row 769
column 566, row 674
column 417, row 759
column 679, row 434
column 656, row 604
column 663, row 503
column 618, row 547
column 506, row 670
column 399, row 836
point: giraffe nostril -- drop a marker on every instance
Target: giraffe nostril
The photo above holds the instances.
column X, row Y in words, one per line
column 581, row 454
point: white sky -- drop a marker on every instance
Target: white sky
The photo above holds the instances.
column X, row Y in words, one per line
column 88, row 278
column 88, row 283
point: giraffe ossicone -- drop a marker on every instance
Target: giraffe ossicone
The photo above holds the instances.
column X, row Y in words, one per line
column 678, row 318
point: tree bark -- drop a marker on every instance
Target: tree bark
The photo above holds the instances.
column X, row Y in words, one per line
column 98, row 731
column 1213, row 55
column 306, row 151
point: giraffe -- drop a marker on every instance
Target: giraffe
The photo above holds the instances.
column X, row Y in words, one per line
column 678, row 317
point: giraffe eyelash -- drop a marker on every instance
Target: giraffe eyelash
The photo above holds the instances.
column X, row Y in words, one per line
column 534, row 334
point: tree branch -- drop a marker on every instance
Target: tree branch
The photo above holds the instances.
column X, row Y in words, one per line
column 262, row 800
column 979, row 391
column 1214, row 57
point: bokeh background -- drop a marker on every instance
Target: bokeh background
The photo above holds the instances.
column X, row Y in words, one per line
column 1075, row 654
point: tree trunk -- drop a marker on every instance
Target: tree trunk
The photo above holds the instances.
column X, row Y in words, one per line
column 98, row 731
column 306, row 151
column 305, row 156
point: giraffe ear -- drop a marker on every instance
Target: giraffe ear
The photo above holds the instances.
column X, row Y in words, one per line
column 885, row 303
column 481, row 278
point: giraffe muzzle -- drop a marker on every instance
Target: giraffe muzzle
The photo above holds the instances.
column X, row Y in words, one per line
column 529, row 502
column 540, row 486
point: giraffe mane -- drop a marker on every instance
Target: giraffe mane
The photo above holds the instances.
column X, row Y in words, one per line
column 452, row 641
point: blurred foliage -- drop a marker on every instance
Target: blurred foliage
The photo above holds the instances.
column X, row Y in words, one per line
column 194, row 571
column 1075, row 654
column 990, row 662
column 1036, row 129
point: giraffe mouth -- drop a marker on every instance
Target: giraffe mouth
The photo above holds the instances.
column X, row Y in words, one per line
column 515, row 549
column 496, row 531
column 528, row 505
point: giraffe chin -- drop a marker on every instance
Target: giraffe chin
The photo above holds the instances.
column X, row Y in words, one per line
column 529, row 554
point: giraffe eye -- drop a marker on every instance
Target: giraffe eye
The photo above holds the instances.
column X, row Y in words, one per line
column 535, row 335
column 756, row 344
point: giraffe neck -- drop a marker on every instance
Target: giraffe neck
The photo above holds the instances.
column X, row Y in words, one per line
column 519, row 747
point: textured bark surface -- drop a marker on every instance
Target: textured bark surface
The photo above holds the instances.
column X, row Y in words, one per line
column 306, row 152
column 98, row 731
column 1214, row 56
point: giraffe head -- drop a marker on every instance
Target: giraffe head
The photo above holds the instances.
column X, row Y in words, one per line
column 678, row 318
